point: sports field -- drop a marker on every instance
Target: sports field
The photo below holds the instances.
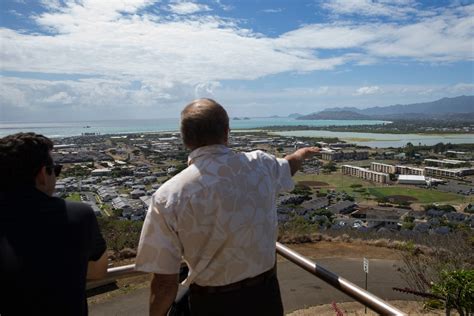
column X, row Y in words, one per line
column 417, row 195
column 335, row 180
column 340, row 182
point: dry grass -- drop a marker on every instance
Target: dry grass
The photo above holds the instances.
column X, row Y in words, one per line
column 353, row 308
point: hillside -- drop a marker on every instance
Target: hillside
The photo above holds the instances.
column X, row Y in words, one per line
column 335, row 115
column 461, row 104
column 446, row 109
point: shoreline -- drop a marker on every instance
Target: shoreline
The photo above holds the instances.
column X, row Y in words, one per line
column 288, row 129
column 299, row 128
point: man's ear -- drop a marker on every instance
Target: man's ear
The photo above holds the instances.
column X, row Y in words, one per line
column 226, row 139
column 40, row 179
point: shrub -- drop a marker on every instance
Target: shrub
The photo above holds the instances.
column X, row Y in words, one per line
column 408, row 225
column 445, row 208
column 301, row 189
column 296, row 230
column 120, row 234
column 437, row 263
column 457, row 287
column 329, row 167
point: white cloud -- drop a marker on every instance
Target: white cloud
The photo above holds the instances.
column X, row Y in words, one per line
column 225, row 7
column 277, row 10
column 442, row 38
column 185, row 7
column 393, row 9
column 15, row 13
column 178, row 58
column 446, row 37
column 60, row 97
column 99, row 41
column 91, row 98
column 368, row 90
column 326, row 36
column 205, row 89
column 22, row 99
column 51, row 4
column 95, row 38
column 464, row 88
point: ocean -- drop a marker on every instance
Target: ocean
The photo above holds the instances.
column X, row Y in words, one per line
column 376, row 140
column 66, row 129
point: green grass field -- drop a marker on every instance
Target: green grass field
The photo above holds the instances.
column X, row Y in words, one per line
column 74, row 197
column 421, row 195
column 335, row 180
column 340, row 182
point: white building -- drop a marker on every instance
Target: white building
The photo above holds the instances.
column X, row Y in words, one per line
column 448, row 173
column 409, row 170
column 365, row 174
column 411, row 179
column 445, row 163
column 382, row 167
column 101, row 172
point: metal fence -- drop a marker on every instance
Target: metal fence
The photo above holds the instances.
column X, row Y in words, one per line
column 362, row 296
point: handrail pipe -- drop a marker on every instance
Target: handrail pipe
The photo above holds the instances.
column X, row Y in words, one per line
column 362, row 296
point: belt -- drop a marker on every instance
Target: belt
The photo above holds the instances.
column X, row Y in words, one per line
column 245, row 283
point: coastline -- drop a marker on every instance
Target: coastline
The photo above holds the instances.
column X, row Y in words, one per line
column 363, row 133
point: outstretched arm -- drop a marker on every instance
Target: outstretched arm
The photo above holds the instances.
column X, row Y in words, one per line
column 296, row 159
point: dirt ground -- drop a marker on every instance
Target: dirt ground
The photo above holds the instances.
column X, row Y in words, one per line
column 313, row 183
column 324, row 249
column 356, row 309
column 400, row 198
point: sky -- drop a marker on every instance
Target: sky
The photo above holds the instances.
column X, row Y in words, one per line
column 69, row 60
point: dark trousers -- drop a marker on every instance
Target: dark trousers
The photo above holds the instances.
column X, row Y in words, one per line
column 259, row 300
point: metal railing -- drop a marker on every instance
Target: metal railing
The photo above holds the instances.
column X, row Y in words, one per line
column 362, row 296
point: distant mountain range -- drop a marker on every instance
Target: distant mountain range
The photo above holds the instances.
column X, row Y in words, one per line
column 335, row 115
column 456, row 108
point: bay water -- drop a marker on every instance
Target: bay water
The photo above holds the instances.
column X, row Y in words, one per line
column 103, row 127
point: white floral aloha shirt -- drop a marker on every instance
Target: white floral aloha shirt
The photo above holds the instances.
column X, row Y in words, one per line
column 218, row 215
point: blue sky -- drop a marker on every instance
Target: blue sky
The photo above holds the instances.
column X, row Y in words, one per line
column 109, row 59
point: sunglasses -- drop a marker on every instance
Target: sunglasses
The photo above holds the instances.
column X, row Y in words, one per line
column 56, row 168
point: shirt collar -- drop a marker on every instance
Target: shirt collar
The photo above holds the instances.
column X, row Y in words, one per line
column 206, row 151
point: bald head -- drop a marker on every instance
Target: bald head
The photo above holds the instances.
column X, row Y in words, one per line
column 204, row 122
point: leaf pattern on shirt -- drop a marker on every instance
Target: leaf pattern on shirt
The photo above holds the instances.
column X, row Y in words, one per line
column 219, row 215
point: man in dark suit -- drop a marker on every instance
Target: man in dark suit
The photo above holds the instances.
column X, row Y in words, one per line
column 48, row 246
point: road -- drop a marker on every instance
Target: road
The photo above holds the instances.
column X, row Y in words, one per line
column 91, row 198
column 299, row 288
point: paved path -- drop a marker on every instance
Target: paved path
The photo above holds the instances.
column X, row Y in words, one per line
column 299, row 288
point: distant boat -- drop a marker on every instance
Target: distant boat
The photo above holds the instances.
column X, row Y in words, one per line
column 87, row 126
column 236, row 119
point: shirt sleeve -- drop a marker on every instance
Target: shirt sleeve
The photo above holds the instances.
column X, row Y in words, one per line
column 159, row 250
column 283, row 175
column 98, row 246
